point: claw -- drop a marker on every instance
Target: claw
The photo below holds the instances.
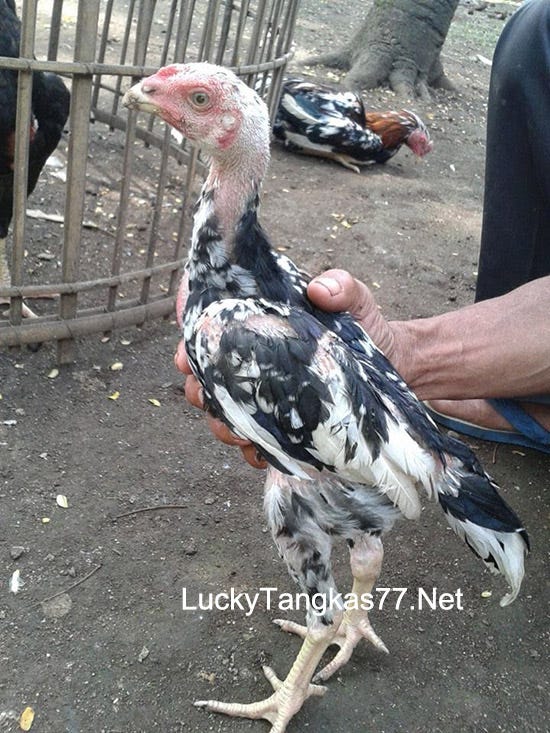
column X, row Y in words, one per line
column 347, row 638
column 291, row 627
column 278, row 709
column 289, row 694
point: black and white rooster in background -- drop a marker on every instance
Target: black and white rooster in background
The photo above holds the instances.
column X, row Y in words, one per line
column 315, row 119
column 50, row 109
column 347, row 442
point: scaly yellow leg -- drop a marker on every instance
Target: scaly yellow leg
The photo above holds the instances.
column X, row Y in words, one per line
column 366, row 562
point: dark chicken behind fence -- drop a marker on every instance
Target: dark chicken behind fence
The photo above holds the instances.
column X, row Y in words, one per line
column 50, row 109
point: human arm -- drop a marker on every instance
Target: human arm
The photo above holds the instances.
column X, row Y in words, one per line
column 494, row 348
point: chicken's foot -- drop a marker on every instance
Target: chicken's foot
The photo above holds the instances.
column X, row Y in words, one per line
column 290, row 693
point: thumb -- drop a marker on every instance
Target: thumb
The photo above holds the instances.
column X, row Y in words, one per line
column 338, row 290
column 180, row 359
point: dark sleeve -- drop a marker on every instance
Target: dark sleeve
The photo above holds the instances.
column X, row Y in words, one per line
column 515, row 241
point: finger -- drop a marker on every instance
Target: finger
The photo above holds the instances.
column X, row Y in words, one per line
column 181, row 298
column 223, row 433
column 180, row 359
column 252, row 457
column 193, row 392
column 338, row 290
column 194, row 395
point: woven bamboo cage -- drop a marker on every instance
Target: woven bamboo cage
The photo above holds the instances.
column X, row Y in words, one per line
column 110, row 234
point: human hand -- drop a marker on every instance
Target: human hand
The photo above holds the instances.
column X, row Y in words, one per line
column 193, row 393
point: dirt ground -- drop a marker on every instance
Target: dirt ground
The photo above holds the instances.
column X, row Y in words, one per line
column 116, row 653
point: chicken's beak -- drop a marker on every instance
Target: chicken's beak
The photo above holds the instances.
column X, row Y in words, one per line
column 136, row 98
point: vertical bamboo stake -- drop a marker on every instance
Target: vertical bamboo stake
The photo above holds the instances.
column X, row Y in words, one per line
column 283, row 46
column 102, row 49
column 209, row 31
column 254, row 49
column 55, row 27
column 145, row 18
column 23, row 123
column 241, row 23
column 85, row 46
column 123, row 54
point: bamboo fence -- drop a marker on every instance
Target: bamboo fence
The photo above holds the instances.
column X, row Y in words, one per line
column 113, row 258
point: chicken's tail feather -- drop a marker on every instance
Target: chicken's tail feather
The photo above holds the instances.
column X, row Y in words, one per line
column 478, row 514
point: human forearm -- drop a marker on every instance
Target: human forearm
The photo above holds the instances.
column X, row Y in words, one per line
column 498, row 347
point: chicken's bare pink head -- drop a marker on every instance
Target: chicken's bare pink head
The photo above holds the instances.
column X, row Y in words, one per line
column 419, row 142
column 419, row 139
column 208, row 104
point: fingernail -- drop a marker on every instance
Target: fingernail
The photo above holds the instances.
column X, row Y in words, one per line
column 332, row 285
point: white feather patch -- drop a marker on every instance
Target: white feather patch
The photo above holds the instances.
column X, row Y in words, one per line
column 292, row 106
column 507, row 548
column 248, row 428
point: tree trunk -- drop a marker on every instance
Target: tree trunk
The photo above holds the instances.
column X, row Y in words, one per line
column 399, row 43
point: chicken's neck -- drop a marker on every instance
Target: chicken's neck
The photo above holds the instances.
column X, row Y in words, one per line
column 228, row 197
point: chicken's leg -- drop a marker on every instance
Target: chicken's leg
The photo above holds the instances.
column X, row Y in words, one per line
column 306, row 550
column 291, row 692
column 366, row 554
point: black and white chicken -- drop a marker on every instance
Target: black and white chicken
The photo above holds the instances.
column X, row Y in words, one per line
column 347, row 442
column 317, row 120
column 50, row 109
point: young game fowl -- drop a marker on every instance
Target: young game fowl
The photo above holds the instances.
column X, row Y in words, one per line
column 317, row 120
column 348, row 444
column 50, row 109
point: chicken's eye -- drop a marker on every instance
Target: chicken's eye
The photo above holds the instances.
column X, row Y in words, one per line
column 200, row 99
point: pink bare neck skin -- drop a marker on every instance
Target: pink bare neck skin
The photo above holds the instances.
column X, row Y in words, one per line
column 235, row 179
